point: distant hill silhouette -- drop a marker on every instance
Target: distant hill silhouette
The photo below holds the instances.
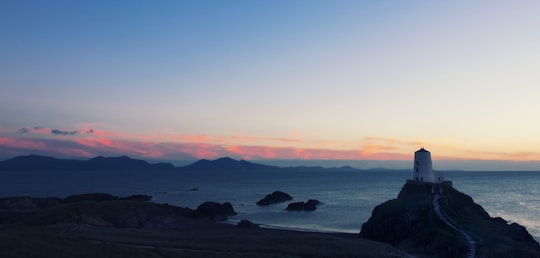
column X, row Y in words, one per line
column 319, row 168
column 227, row 164
column 35, row 162
column 42, row 163
column 124, row 163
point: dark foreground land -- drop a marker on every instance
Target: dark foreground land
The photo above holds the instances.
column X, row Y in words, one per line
column 91, row 226
column 195, row 240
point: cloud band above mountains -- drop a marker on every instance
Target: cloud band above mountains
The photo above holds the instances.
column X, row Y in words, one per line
column 169, row 145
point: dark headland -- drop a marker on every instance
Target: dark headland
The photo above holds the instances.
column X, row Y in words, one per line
column 436, row 220
column 432, row 219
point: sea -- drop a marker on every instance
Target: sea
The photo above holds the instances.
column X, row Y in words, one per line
column 348, row 197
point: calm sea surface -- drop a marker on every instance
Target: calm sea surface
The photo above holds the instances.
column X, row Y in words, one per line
column 348, row 197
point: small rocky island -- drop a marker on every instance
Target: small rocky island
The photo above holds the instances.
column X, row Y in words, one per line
column 430, row 218
column 275, row 197
column 310, row 205
column 279, row 196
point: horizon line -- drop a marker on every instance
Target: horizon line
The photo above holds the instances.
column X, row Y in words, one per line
column 298, row 163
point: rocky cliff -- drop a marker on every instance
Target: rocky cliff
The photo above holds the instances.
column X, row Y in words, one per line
column 411, row 223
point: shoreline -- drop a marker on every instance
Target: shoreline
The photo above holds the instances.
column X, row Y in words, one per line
column 296, row 229
column 101, row 225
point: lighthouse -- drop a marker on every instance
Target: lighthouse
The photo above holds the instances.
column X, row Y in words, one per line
column 423, row 173
column 423, row 170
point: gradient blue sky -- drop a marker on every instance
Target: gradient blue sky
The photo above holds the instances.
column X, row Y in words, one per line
column 364, row 80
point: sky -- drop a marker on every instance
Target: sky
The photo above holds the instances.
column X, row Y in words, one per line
column 271, row 79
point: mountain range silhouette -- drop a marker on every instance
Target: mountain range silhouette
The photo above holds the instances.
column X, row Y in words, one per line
column 124, row 163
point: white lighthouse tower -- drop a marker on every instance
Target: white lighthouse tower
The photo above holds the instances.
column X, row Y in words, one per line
column 423, row 170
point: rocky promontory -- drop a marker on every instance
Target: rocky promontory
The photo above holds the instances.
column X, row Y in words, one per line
column 436, row 220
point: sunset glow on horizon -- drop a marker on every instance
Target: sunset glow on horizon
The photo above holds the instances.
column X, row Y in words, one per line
column 183, row 147
column 343, row 80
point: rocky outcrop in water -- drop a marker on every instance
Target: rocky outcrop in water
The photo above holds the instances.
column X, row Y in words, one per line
column 310, row 205
column 246, row 224
column 215, row 210
column 275, row 197
column 411, row 224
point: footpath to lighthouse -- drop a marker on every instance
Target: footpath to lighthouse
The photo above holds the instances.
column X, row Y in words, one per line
column 471, row 253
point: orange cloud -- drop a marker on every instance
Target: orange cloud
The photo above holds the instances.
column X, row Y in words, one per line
column 494, row 155
column 177, row 146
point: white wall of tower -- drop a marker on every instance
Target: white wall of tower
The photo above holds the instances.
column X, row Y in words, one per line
column 423, row 170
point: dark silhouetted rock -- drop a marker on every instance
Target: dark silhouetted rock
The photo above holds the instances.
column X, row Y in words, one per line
column 274, row 197
column 410, row 223
column 310, row 205
column 500, row 220
column 215, row 210
column 246, row 224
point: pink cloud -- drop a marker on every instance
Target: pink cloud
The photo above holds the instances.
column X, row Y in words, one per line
column 16, row 143
column 88, row 147
column 181, row 146
column 171, row 146
column 94, row 142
